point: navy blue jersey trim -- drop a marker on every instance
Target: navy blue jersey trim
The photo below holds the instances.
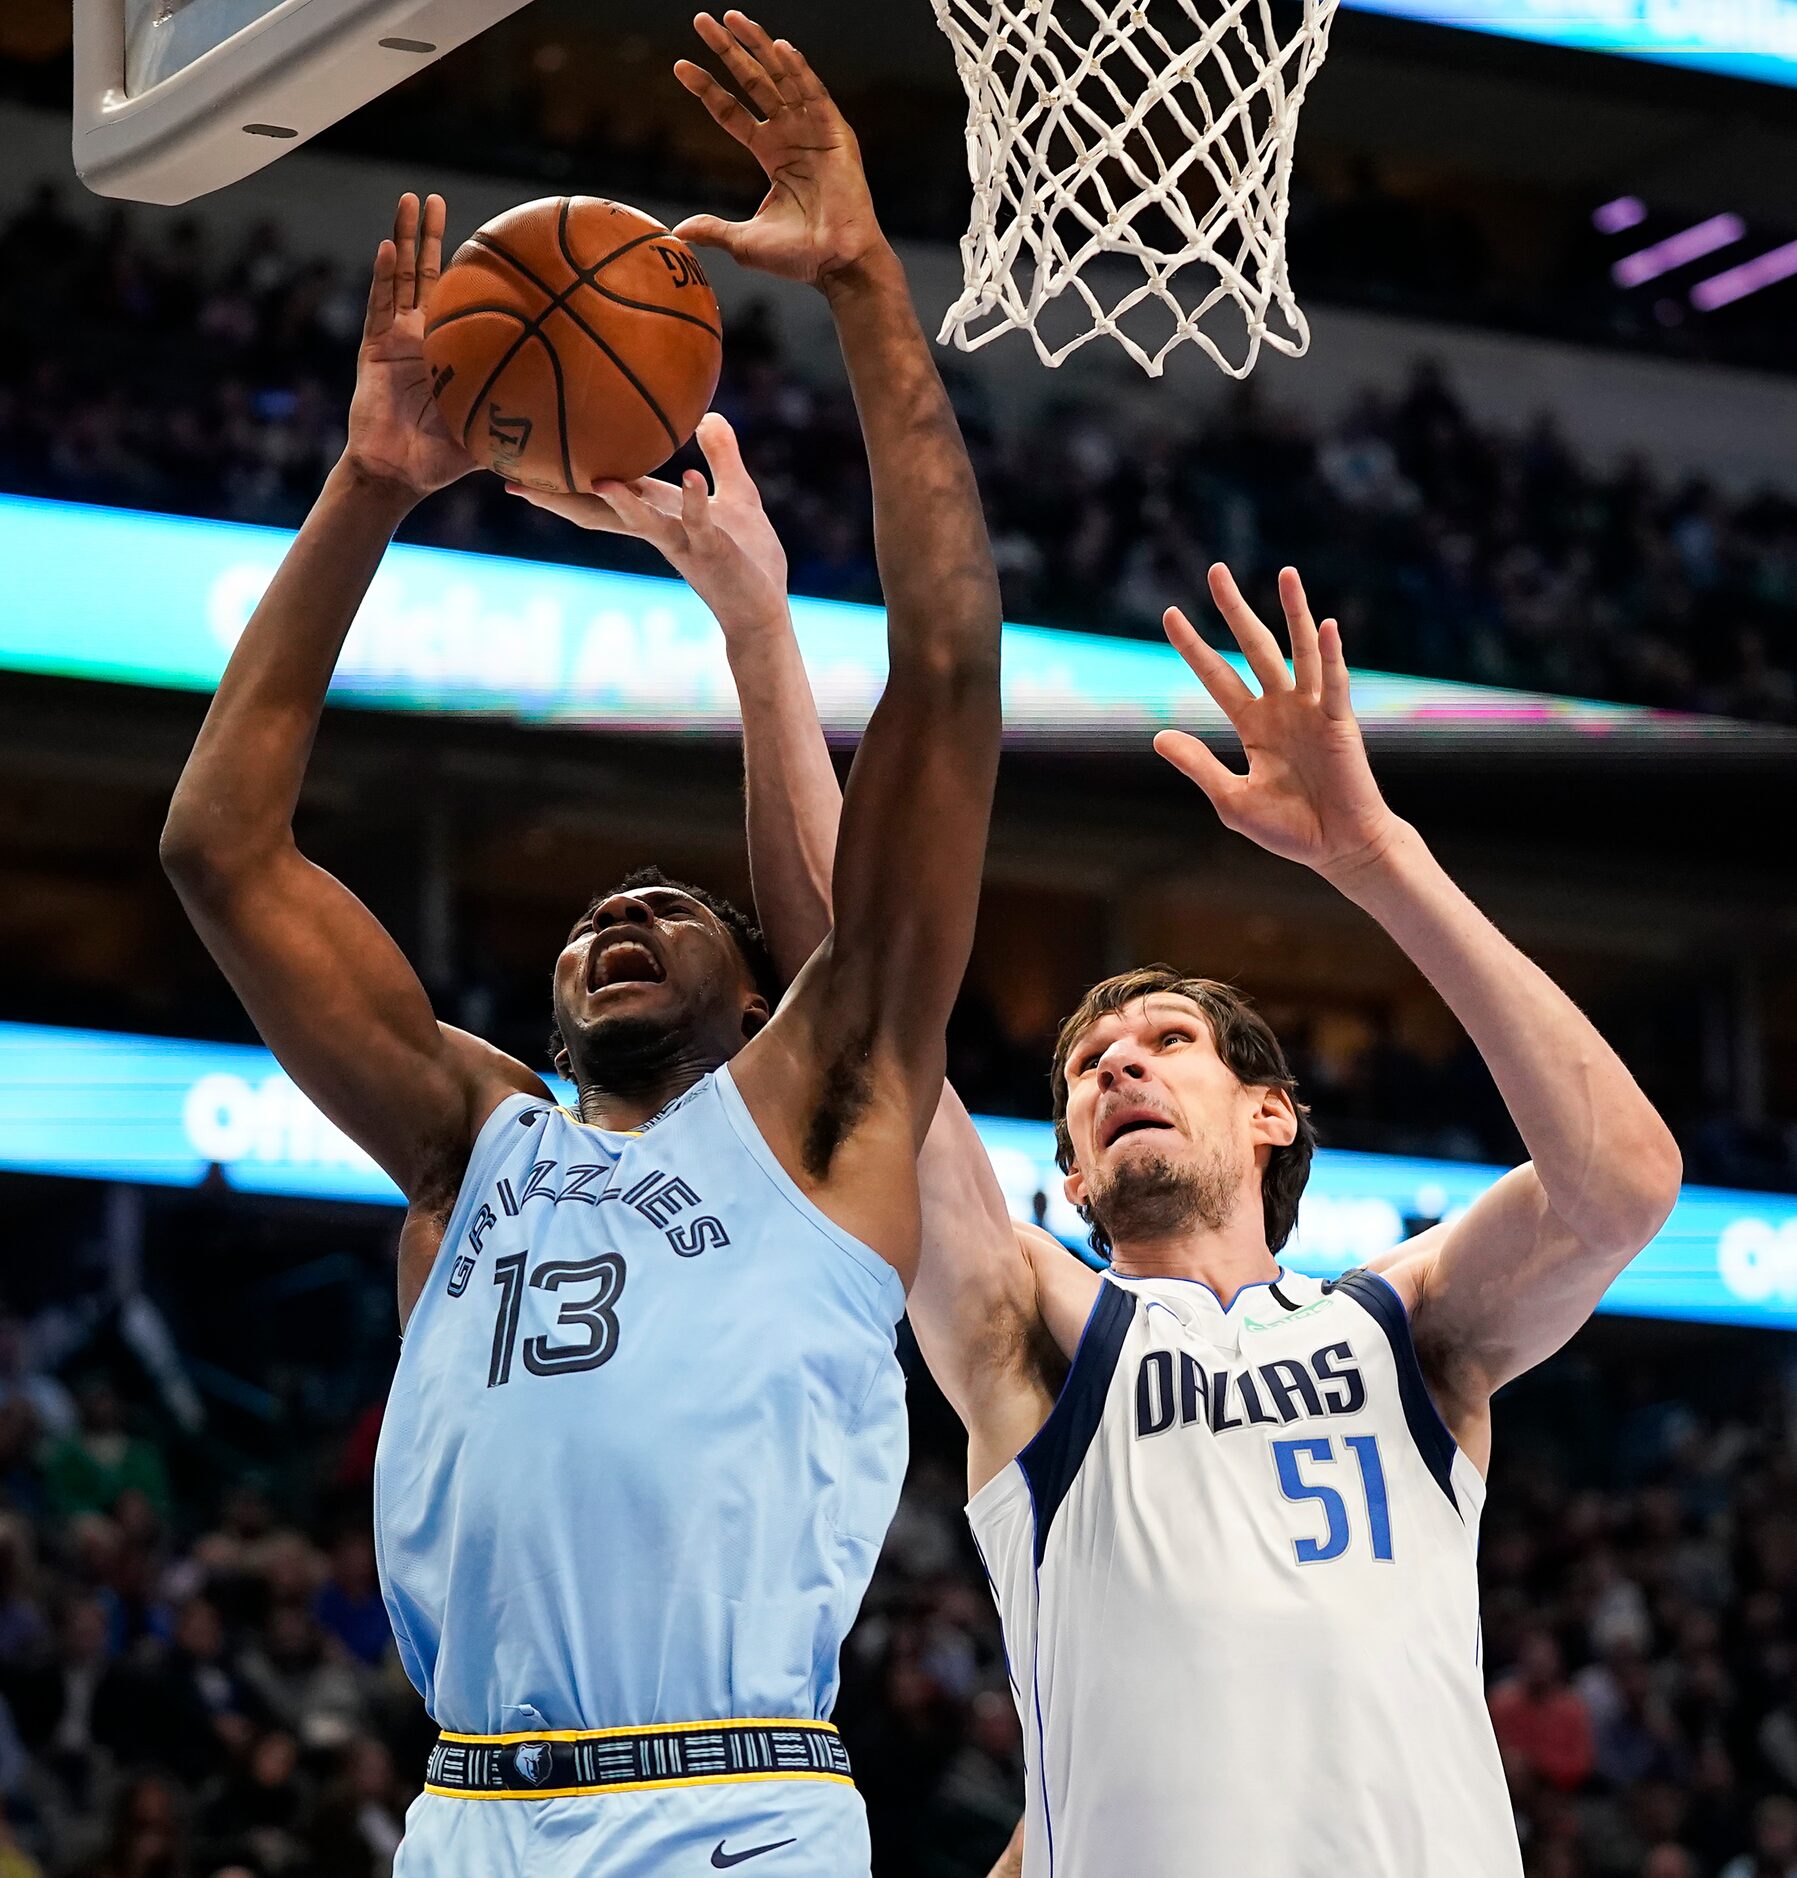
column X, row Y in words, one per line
column 1052, row 1459
column 1430, row 1433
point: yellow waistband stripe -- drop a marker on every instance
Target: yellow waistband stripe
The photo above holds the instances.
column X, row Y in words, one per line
column 648, row 1728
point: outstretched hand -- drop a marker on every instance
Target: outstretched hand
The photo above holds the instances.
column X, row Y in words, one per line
column 720, row 543
column 396, row 432
column 817, row 219
column 1309, row 794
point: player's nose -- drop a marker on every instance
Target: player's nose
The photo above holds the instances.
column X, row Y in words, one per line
column 1124, row 1061
column 622, row 909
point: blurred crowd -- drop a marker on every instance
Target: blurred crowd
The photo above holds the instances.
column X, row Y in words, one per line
column 197, row 1679
column 182, row 375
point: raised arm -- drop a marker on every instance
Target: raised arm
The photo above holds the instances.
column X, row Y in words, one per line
column 973, row 1304
column 846, row 1079
column 1505, row 1285
column 326, row 987
column 723, row 546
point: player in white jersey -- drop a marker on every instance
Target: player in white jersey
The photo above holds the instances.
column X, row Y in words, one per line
column 647, row 1427
column 1230, row 1513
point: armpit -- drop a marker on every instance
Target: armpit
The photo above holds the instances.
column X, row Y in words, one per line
column 843, row 1098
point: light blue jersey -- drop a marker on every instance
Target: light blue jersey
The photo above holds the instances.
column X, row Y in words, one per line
column 645, row 1436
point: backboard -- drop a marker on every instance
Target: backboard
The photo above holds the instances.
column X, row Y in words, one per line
column 175, row 98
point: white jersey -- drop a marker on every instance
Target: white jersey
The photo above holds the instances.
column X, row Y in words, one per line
column 1237, row 1573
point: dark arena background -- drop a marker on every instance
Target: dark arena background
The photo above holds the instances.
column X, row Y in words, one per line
column 1543, row 467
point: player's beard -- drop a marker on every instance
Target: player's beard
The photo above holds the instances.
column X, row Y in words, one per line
column 626, row 1055
column 1153, row 1196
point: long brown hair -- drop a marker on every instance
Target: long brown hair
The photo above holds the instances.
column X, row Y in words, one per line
column 1245, row 1042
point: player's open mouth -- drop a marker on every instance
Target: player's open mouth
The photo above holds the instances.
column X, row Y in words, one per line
column 623, row 961
column 1132, row 1122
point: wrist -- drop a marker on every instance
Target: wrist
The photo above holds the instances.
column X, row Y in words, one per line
column 373, row 488
column 877, row 269
column 749, row 635
column 1376, row 862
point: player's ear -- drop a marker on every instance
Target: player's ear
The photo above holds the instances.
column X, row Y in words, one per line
column 1275, row 1121
column 755, row 1016
column 564, row 1066
column 1074, row 1187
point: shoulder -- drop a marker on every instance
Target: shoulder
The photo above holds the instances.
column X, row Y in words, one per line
column 1066, row 1289
column 1405, row 1266
column 489, row 1074
column 488, row 1078
column 1457, row 1383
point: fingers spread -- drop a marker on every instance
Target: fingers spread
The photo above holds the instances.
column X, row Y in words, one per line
column 766, row 52
column 707, row 231
column 695, row 507
column 660, row 496
column 724, row 458
column 1213, row 671
column 430, row 247
column 1334, row 662
column 380, row 293
column 1258, row 645
column 405, row 241
column 1192, row 758
column 1306, row 662
column 798, row 79
column 742, row 58
column 582, row 511
column 727, row 113
column 638, row 518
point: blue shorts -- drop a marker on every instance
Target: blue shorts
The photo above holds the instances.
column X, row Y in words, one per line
column 772, row 1828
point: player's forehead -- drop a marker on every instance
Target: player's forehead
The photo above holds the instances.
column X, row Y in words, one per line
column 1145, row 1013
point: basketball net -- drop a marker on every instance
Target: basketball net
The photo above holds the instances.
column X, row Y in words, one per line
column 1152, row 137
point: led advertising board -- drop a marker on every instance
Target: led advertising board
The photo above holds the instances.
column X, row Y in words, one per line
column 168, row 1111
column 161, row 600
column 1737, row 38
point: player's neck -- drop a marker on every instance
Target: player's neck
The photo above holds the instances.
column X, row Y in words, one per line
column 635, row 1101
column 1224, row 1259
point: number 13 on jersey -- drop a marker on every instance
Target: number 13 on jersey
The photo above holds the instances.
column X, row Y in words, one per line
column 1363, row 1451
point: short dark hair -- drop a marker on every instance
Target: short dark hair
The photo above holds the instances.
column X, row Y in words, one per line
column 750, row 942
column 1244, row 1040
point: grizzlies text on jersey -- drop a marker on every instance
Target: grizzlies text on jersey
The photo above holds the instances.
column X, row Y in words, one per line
column 644, row 1440
column 1237, row 1573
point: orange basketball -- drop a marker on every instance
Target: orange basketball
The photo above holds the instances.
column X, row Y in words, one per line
column 573, row 339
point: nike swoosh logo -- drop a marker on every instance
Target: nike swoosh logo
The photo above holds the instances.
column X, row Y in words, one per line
column 724, row 1860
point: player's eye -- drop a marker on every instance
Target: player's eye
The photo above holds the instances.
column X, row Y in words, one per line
column 1174, row 1036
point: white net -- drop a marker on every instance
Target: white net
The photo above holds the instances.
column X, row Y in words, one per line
column 1131, row 165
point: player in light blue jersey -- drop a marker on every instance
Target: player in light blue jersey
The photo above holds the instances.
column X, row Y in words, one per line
column 647, row 1428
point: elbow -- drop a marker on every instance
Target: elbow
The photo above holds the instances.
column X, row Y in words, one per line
column 957, row 679
column 1663, row 1175
column 202, row 857
column 182, row 849
column 189, row 849
column 1652, row 1171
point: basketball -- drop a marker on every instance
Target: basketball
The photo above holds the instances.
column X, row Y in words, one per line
column 571, row 340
